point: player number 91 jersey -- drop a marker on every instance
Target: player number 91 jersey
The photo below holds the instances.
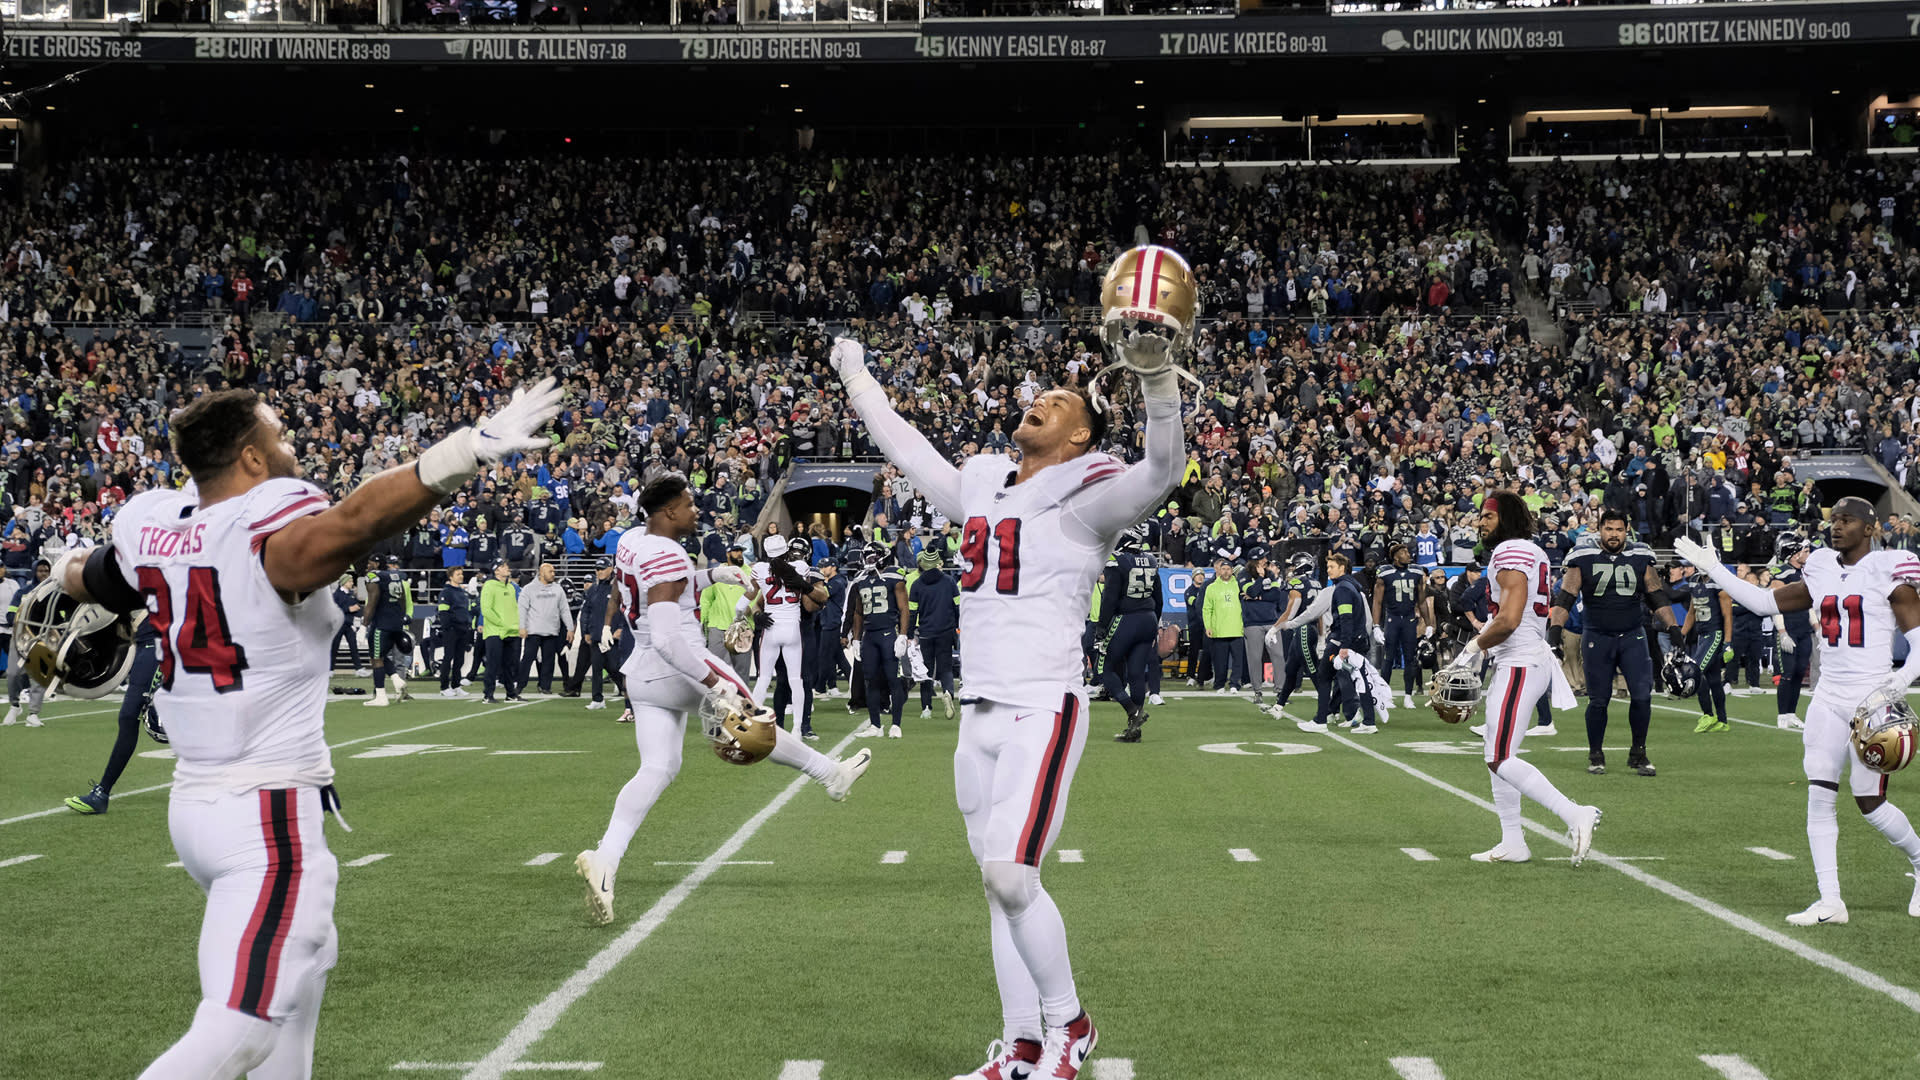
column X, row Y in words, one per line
column 1528, row 639
column 1853, row 619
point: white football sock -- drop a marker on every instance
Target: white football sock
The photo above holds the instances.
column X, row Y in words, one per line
column 791, row 750
column 660, row 734
column 1534, row 785
column 222, row 1044
column 1019, row 998
column 1823, row 839
column 1040, row 934
column 1506, row 803
column 1899, row 832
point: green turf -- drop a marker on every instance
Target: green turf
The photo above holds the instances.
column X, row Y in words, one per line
column 1330, row 955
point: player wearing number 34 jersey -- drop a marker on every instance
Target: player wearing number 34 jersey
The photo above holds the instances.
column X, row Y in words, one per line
column 232, row 574
column 1859, row 598
column 1035, row 536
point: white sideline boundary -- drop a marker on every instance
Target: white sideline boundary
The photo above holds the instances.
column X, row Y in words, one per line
column 1858, row 975
column 541, row 1018
column 62, row 808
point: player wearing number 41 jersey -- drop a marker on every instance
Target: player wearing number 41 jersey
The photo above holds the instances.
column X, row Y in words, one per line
column 1036, row 535
column 233, row 574
column 1859, row 598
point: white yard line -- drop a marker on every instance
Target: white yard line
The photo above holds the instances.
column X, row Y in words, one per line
column 893, row 858
column 1413, row 1068
column 542, row 859
column 18, row 859
column 541, row 1018
column 1241, row 854
column 1072, row 855
column 1419, row 854
column 1732, row 1066
column 802, row 1070
column 1695, row 713
column 1858, row 975
column 62, row 809
column 518, row 1066
column 1769, row 853
column 1112, row 1069
column 369, row 860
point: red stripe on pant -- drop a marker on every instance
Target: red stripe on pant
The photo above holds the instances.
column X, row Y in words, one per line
column 257, row 966
column 1046, row 789
column 1509, row 710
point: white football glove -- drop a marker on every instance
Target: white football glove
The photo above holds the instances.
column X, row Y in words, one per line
column 728, row 575
column 1786, row 643
column 900, row 648
column 606, row 639
column 1273, row 638
column 1700, row 555
column 727, row 700
column 1146, row 353
column 849, row 359
column 1467, row 653
column 458, row 458
column 1379, row 636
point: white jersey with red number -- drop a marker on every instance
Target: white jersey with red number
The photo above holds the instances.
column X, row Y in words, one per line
column 1853, row 619
column 243, row 673
column 1530, row 637
column 642, row 561
column 1024, row 586
column 780, row 603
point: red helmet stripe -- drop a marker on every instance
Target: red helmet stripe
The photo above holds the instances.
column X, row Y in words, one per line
column 1139, row 271
column 1153, row 293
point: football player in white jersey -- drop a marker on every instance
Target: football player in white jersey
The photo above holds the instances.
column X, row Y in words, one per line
column 779, row 587
column 1519, row 580
column 669, row 672
column 1860, row 597
column 1035, row 537
column 234, row 577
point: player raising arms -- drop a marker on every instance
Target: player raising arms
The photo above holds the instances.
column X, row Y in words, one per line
column 1617, row 582
column 670, row 673
column 234, row 575
column 1036, row 535
column 1523, row 669
column 1861, row 596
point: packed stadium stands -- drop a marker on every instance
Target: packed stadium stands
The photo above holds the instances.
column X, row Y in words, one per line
column 1378, row 347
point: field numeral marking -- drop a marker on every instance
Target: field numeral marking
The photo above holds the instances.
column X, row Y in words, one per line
column 1732, row 1066
column 1112, row 1069
column 1413, row 1068
column 1769, row 853
column 1072, row 854
column 1241, row 854
column 894, row 857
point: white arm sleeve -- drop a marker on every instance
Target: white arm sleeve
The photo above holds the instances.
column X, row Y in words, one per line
column 1322, row 603
column 663, row 623
column 1131, row 495
column 1911, row 669
column 931, row 474
column 1754, row 598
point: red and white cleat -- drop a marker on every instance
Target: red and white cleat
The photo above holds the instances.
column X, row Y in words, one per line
column 1006, row 1062
column 1066, row 1050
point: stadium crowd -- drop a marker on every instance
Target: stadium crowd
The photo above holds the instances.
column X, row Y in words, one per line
column 1367, row 371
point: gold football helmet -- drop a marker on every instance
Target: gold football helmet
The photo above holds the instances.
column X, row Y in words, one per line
column 1149, row 304
column 1456, row 690
column 1883, row 731
column 741, row 733
column 739, row 635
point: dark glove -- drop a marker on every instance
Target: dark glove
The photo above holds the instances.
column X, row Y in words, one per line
column 1556, row 641
column 1675, row 638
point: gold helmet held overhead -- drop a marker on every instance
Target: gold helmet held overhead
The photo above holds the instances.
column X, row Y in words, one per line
column 1883, row 731
column 1152, row 285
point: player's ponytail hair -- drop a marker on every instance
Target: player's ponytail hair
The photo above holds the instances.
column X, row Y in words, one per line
column 1516, row 518
column 209, row 432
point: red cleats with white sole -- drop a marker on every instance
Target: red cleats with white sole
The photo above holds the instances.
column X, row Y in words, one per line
column 1066, row 1050
column 1007, row 1062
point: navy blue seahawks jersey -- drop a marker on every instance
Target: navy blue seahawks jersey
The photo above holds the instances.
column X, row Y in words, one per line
column 1402, row 591
column 1704, row 596
column 1131, row 583
column 1798, row 624
column 1307, row 587
column 390, row 609
column 1613, row 586
column 879, row 607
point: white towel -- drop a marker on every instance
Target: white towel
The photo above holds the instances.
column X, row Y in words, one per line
column 1562, row 690
column 1376, row 684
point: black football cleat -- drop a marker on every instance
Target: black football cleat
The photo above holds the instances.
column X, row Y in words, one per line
column 1135, row 718
column 1597, row 763
column 1640, row 765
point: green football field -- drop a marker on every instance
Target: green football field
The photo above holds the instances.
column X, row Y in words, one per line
column 1243, row 900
